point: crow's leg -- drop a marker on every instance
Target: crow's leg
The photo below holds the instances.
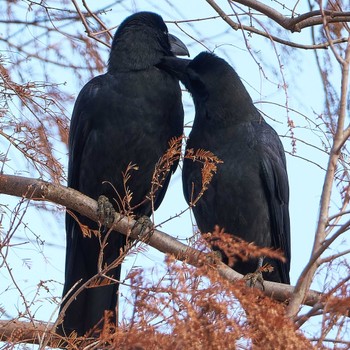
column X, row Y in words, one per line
column 105, row 211
column 144, row 228
column 255, row 279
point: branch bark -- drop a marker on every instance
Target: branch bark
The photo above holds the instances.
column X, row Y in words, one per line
column 39, row 190
column 27, row 332
column 44, row 191
column 297, row 23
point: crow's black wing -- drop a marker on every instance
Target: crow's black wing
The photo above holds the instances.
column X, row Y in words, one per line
column 118, row 120
column 82, row 253
column 275, row 178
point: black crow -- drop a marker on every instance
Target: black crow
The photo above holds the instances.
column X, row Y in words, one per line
column 249, row 195
column 124, row 117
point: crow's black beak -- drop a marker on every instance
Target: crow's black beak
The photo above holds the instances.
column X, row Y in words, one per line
column 175, row 66
column 177, row 47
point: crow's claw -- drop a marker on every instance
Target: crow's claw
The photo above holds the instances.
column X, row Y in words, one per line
column 255, row 279
column 105, row 211
column 143, row 227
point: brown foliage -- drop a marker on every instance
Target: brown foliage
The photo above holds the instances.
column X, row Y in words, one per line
column 196, row 309
column 209, row 163
column 235, row 247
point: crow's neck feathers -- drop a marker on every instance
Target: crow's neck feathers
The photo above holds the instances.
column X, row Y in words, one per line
column 139, row 43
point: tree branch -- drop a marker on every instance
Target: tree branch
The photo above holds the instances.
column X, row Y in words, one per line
column 320, row 243
column 43, row 191
column 27, row 332
column 294, row 24
column 39, row 190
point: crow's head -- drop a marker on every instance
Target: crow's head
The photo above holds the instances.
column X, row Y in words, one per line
column 141, row 40
column 215, row 74
column 226, row 97
column 216, row 88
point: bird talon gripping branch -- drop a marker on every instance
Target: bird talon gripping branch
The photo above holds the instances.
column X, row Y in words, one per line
column 105, row 211
column 255, row 280
column 144, row 228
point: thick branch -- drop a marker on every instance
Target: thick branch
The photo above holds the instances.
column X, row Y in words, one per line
column 40, row 190
column 295, row 24
column 43, row 191
column 266, row 10
column 27, row 332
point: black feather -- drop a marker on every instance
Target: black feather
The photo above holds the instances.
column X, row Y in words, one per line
column 249, row 194
column 126, row 116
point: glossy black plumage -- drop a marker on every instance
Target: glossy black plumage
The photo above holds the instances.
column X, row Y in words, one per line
column 249, row 195
column 126, row 116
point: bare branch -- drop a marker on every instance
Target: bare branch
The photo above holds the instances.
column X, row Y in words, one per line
column 86, row 25
column 27, row 332
column 320, row 243
column 294, row 25
column 297, row 23
column 40, row 190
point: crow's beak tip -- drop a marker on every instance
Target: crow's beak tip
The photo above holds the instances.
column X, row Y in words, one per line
column 177, row 47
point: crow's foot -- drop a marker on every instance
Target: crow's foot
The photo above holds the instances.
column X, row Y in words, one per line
column 105, row 211
column 143, row 227
column 255, row 279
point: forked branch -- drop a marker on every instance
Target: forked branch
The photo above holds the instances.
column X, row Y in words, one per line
column 292, row 24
